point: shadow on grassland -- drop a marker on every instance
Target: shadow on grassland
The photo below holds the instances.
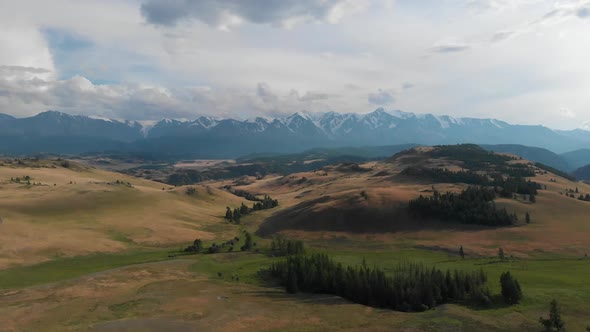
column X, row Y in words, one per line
column 350, row 215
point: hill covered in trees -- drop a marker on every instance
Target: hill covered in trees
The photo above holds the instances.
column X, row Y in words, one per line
column 582, row 173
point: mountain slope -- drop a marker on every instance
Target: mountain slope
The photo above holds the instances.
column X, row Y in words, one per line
column 535, row 154
column 207, row 137
column 582, row 173
column 577, row 158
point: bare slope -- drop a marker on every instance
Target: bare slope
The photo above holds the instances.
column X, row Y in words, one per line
column 75, row 210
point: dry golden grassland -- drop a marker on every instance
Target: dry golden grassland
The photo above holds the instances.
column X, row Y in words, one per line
column 78, row 210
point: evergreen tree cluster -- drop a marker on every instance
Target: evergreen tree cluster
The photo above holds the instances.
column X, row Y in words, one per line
column 515, row 185
column 248, row 244
column 473, row 156
column 266, row 203
column 236, row 214
column 506, row 186
column 443, row 175
column 196, row 247
column 413, row 287
column 473, row 205
column 283, row 247
column 243, row 193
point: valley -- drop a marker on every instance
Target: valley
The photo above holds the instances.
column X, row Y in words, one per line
column 85, row 248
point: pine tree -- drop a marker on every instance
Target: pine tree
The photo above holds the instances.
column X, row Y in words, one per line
column 198, row 245
column 554, row 322
column 237, row 216
column 501, row 254
column 511, row 291
column 244, row 209
column 228, row 214
column 461, row 252
column 248, row 243
column 527, row 218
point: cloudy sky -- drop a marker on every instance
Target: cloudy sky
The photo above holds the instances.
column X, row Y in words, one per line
column 522, row 61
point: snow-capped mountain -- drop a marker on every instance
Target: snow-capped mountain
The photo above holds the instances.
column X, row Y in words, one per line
column 52, row 124
column 216, row 137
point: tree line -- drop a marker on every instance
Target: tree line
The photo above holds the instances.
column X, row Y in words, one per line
column 505, row 186
column 236, row 214
column 413, row 287
column 473, row 205
column 197, row 246
column 283, row 247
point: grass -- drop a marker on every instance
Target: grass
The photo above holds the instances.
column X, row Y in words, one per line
column 542, row 278
column 550, row 250
column 67, row 268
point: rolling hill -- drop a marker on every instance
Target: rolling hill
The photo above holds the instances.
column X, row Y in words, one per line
column 95, row 250
column 48, row 211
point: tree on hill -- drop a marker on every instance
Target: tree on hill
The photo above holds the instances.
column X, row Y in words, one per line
column 501, row 254
column 527, row 218
column 198, row 244
column 244, row 209
column 511, row 291
column 237, row 216
column 473, row 205
column 228, row 214
column 248, row 243
column 461, row 252
column 554, row 322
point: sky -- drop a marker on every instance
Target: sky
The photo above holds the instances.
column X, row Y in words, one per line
column 521, row 61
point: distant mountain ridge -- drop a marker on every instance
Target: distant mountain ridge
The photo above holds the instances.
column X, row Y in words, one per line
column 56, row 132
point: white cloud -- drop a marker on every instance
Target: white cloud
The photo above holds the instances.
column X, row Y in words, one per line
column 381, row 97
column 567, row 113
column 225, row 14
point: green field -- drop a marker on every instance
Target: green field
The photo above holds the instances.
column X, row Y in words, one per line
column 542, row 279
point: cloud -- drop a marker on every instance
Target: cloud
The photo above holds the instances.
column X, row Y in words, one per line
column 16, row 70
column 567, row 113
column 381, row 97
column 502, row 35
column 21, row 95
column 227, row 13
column 449, row 47
column 264, row 92
column 310, row 96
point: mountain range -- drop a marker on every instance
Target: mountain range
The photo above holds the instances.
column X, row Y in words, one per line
column 208, row 137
